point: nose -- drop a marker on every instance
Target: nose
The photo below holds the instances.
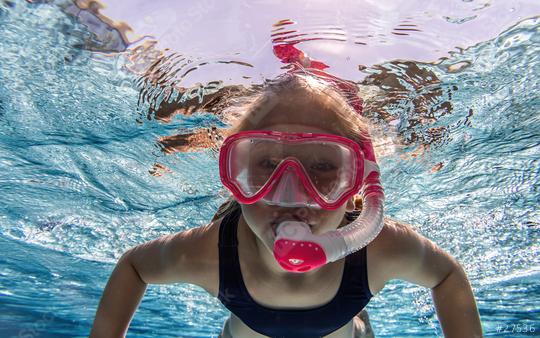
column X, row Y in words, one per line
column 289, row 191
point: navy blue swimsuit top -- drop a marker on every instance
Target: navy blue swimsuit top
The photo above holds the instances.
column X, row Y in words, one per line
column 353, row 294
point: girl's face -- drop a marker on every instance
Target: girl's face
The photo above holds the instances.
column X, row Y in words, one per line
column 263, row 218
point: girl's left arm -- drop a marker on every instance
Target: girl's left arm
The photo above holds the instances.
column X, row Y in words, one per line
column 410, row 256
column 455, row 304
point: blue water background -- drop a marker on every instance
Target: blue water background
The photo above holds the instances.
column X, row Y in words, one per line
column 76, row 190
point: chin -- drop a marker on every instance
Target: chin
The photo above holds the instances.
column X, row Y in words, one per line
column 267, row 237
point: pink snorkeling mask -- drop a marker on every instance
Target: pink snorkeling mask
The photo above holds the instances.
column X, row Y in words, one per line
column 291, row 169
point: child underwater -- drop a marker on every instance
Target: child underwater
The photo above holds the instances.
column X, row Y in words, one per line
column 293, row 253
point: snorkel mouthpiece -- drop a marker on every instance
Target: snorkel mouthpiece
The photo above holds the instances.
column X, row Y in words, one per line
column 294, row 248
column 297, row 249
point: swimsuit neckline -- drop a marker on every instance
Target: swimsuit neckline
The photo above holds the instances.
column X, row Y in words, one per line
column 245, row 291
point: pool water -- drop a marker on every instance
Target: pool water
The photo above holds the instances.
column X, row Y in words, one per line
column 84, row 174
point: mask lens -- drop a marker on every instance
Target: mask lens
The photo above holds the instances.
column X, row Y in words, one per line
column 329, row 167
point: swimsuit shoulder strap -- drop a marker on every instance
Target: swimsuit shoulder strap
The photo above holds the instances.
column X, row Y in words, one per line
column 230, row 290
column 227, row 233
column 357, row 277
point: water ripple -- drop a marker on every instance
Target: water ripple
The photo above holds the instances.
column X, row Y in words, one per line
column 94, row 161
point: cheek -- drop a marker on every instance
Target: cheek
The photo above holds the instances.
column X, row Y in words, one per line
column 331, row 220
column 254, row 215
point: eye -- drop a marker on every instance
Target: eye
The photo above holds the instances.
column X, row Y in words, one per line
column 268, row 163
column 323, row 166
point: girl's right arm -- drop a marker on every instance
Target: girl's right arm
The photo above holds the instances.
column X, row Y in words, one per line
column 168, row 259
column 120, row 299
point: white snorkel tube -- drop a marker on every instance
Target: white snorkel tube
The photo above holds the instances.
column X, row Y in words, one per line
column 297, row 249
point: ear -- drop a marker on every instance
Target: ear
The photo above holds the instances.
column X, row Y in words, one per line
column 350, row 205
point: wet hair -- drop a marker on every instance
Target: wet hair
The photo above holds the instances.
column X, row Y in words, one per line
column 291, row 89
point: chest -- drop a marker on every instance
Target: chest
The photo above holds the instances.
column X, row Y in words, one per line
column 291, row 294
column 320, row 307
column 275, row 294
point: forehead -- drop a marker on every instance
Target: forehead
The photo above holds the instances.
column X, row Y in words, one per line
column 295, row 128
column 294, row 113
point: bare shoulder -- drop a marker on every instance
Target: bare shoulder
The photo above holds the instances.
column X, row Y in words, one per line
column 379, row 253
column 189, row 256
column 390, row 233
column 400, row 252
column 208, row 264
